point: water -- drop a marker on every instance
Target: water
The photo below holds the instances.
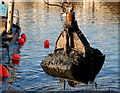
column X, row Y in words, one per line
column 98, row 22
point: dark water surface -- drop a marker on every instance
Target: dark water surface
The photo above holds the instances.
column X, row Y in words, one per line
column 98, row 22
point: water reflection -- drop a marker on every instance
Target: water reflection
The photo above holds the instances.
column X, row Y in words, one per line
column 97, row 20
column 9, row 82
column 16, row 63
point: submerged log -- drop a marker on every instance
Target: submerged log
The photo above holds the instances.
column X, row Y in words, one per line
column 74, row 66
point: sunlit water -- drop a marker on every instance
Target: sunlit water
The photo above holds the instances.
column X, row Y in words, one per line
column 98, row 22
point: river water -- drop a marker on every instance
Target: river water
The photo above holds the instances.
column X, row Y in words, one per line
column 99, row 23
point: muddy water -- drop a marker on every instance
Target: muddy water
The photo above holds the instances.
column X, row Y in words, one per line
column 98, row 22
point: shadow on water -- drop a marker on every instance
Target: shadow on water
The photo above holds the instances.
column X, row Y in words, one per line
column 99, row 23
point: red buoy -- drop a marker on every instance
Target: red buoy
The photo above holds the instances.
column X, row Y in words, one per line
column 4, row 71
column 46, row 43
column 23, row 36
column 21, row 40
column 16, row 57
